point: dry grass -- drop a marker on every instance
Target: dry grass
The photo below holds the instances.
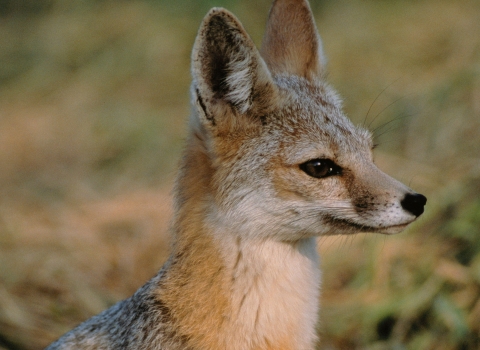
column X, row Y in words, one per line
column 63, row 262
column 93, row 105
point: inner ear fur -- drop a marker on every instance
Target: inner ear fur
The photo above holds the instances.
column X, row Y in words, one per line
column 228, row 71
column 291, row 44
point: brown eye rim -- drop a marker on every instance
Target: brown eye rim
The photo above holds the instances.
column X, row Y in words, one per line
column 320, row 168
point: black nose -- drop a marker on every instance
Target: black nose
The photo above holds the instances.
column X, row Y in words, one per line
column 414, row 203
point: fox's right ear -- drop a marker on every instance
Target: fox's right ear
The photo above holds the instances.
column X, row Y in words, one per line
column 228, row 71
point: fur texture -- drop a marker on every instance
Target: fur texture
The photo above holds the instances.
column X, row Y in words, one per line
column 271, row 162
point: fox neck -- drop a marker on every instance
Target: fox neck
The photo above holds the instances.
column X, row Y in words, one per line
column 225, row 291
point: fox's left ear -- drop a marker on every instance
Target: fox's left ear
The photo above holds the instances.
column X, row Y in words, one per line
column 292, row 44
column 228, row 71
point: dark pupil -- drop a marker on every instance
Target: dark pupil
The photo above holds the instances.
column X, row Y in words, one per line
column 319, row 168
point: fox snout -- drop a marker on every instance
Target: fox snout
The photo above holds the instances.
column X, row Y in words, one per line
column 382, row 204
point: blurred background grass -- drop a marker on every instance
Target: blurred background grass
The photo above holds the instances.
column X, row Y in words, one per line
column 93, row 109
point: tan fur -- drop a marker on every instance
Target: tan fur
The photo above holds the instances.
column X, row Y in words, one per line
column 295, row 49
column 198, row 278
column 270, row 163
column 195, row 276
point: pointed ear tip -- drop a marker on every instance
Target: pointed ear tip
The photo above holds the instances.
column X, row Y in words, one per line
column 291, row 2
column 218, row 13
column 215, row 13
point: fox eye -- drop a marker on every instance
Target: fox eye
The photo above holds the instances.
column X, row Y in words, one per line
column 320, row 168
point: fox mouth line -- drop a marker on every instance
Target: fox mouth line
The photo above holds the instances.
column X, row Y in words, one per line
column 350, row 225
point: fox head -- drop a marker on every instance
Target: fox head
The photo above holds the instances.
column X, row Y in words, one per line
column 271, row 149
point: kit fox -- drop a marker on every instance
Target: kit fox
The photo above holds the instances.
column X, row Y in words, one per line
column 271, row 162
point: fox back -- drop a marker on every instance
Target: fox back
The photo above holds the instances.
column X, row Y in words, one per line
column 271, row 163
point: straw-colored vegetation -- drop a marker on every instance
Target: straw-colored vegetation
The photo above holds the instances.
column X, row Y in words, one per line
column 93, row 109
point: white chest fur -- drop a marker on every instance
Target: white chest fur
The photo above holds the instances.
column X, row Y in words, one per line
column 275, row 291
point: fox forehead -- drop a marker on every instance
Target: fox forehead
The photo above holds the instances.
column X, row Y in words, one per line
column 310, row 124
